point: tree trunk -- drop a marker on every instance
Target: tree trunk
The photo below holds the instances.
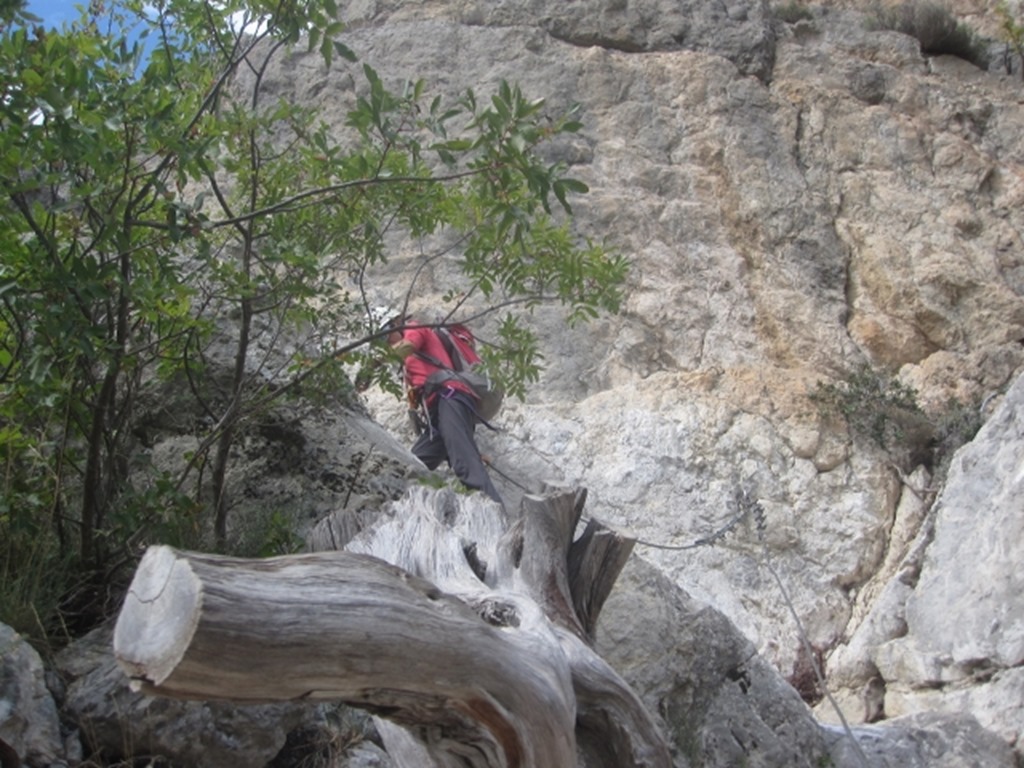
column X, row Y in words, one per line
column 443, row 618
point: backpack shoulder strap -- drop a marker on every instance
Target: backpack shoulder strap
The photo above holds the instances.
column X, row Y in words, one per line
column 449, row 346
column 432, row 360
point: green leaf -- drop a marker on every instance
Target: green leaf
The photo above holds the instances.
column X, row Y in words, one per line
column 32, row 78
column 575, row 185
column 502, row 107
column 559, row 189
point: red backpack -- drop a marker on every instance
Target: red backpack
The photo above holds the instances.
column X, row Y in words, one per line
column 460, row 344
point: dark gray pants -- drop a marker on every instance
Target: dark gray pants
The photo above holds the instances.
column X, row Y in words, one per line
column 449, row 435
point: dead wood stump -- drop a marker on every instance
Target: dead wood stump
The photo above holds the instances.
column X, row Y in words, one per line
column 468, row 632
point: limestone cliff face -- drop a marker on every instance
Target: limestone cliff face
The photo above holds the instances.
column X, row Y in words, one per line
column 798, row 200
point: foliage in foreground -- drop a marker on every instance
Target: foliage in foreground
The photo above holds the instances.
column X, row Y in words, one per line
column 164, row 212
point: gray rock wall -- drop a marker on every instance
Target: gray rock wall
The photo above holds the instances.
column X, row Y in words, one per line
column 797, row 201
column 843, row 201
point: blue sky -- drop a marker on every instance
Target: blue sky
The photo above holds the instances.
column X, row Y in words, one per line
column 55, row 12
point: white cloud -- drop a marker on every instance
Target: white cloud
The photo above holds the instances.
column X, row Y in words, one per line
column 243, row 22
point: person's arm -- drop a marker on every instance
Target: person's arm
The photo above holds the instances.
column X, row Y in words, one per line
column 403, row 348
column 404, row 341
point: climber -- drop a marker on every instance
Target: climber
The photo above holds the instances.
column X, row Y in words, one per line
column 450, row 414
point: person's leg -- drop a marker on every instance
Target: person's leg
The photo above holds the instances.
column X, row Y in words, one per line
column 456, row 420
column 429, row 447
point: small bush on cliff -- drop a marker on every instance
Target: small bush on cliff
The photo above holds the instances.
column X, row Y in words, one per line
column 886, row 412
column 1013, row 33
column 955, row 425
column 792, row 12
column 934, row 26
column 877, row 407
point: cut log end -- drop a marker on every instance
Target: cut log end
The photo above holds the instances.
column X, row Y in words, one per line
column 159, row 616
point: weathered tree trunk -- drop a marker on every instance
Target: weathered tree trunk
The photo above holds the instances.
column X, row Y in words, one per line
column 470, row 632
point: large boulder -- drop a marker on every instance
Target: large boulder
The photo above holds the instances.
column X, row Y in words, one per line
column 724, row 706
column 30, row 729
column 120, row 724
column 722, row 703
column 908, row 648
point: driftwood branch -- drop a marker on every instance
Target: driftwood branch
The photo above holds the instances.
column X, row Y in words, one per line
column 595, row 561
column 467, row 632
